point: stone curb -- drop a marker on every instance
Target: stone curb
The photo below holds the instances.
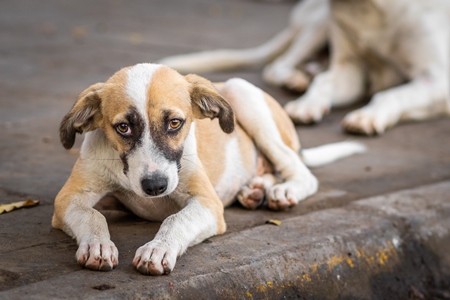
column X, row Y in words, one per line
column 390, row 246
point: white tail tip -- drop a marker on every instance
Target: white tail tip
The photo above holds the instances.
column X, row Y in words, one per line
column 325, row 154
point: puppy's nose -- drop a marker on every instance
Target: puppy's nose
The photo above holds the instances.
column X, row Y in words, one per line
column 155, row 184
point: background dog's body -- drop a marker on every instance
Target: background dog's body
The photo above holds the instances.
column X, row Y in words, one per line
column 376, row 45
column 148, row 146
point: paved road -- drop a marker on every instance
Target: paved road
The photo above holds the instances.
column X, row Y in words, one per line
column 379, row 222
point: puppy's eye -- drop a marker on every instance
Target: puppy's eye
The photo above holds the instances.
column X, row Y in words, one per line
column 123, row 129
column 175, row 124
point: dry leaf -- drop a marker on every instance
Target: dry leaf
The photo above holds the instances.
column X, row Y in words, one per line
column 274, row 222
column 4, row 208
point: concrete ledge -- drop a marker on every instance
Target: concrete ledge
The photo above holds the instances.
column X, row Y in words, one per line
column 389, row 247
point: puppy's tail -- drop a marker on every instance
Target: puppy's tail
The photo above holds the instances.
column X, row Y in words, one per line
column 325, row 154
column 228, row 59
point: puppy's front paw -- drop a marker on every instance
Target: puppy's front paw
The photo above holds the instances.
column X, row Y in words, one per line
column 366, row 120
column 155, row 258
column 98, row 255
column 307, row 111
column 290, row 193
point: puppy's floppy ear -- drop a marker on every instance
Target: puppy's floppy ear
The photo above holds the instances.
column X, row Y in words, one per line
column 208, row 103
column 84, row 115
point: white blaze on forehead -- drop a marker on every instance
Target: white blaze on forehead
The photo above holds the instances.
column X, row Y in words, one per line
column 139, row 78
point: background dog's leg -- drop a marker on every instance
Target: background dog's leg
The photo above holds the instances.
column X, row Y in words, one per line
column 342, row 84
column 422, row 98
column 256, row 113
column 311, row 20
column 74, row 215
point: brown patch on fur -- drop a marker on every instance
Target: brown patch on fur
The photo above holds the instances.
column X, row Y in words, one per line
column 213, row 160
column 211, row 144
column 248, row 151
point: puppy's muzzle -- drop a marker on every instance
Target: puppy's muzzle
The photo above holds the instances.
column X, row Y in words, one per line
column 155, row 184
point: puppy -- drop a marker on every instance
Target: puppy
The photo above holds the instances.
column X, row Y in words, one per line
column 395, row 51
column 168, row 147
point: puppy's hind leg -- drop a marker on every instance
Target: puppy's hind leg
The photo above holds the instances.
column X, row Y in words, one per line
column 252, row 195
column 268, row 125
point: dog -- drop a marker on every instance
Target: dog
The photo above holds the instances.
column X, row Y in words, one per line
column 397, row 52
column 178, row 149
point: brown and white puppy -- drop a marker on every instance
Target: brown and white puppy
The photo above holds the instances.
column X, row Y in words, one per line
column 168, row 147
column 397, row 52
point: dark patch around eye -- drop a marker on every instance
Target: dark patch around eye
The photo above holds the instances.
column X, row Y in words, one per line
column 171, row 154
column 160, row 136
column 137, row 126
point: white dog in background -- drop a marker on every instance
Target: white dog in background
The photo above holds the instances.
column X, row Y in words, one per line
column 396, row 51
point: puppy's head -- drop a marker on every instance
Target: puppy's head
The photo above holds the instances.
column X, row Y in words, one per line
column 145, row 112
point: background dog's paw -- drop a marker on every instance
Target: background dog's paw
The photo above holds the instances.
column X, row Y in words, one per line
column 155, row 258
column 307, row 111
column 252, row 195
column 365, row 121
column 291, row 78
column 98, row 255
column 297, row 81
column 287, row 194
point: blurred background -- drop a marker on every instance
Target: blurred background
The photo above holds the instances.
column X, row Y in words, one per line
column 51, row 50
